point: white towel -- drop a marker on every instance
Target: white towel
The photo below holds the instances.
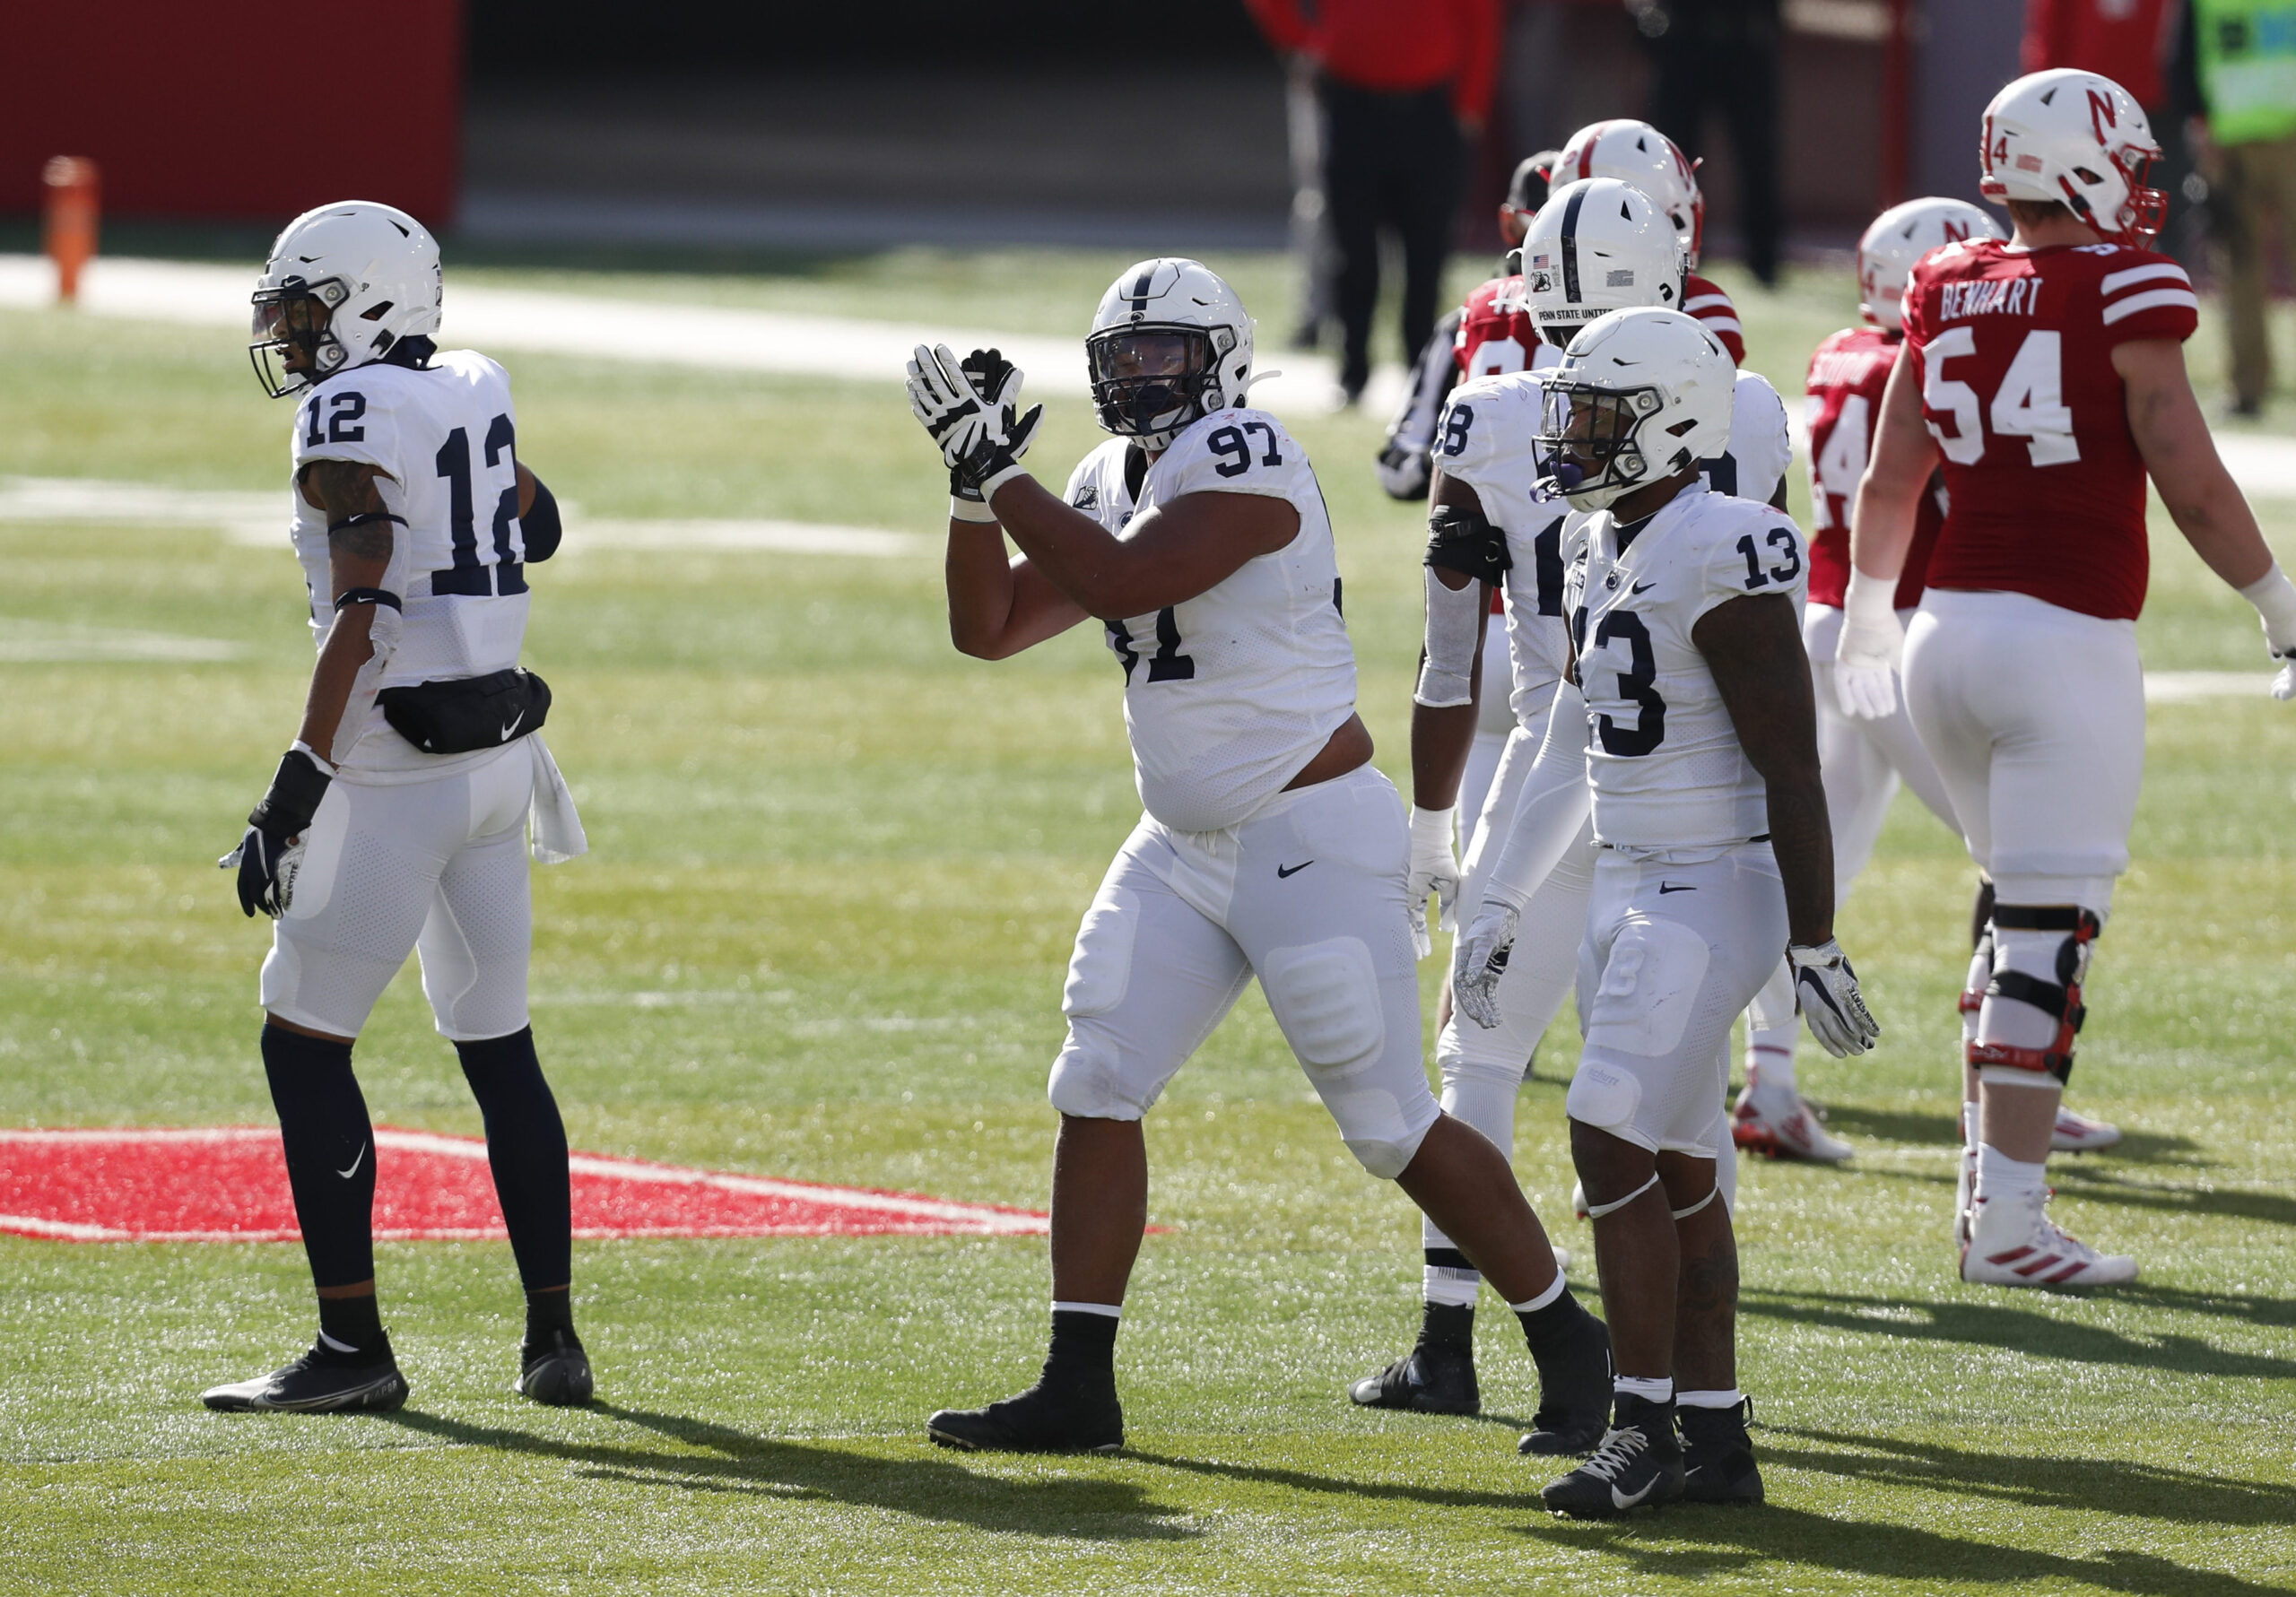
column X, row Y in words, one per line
column 554, row 829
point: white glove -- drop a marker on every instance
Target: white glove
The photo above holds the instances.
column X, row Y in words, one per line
column 971, row 410
column 2284, row 683
column 2275, row 598
column 1831, row 1000
column 1866, row 660
column 1434, row 869
column 1481, row 959
column 955, row 417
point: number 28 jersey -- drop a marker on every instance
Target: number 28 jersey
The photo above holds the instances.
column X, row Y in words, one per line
column 444, row 434
column 1663, row 755
column 2014, row 348
column 1229, row 695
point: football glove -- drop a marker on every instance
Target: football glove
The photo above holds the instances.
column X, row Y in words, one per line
column 1434, row 869
column 971, row 410
column 1828, row 989
column 1866, row 661
column 2275, row 601
column 1481, row 960
column 268, row 853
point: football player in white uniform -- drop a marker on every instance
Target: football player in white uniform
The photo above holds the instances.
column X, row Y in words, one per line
column 1271, row 847
column 397, row 819
column 1685, row 727
column 1597, row 246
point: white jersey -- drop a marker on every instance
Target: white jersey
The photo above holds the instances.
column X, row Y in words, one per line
column 1485, row 440
column 1229, row 695
column 444, row 434
column 1663, row 755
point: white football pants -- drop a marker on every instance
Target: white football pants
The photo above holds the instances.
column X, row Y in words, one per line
column 2035, row 716
column 438, row 867
column 1309, row 895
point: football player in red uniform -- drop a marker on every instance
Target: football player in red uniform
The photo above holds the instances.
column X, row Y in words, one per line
column 2048, row 372
column 1637, row 154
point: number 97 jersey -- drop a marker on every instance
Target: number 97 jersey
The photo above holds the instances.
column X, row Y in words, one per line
column 2015, row 351
column 1663, row 754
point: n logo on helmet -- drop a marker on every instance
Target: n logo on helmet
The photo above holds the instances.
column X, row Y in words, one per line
column 2101, row 114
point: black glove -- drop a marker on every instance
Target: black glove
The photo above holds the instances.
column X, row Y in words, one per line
column 273, row 826
column 988, row 371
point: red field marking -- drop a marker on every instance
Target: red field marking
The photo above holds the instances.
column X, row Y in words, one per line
column 228, row 1183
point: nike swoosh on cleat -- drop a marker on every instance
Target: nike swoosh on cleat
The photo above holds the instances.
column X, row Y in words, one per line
column 1283, row 871
column 513, row 727
column 355, row 1163
column 1622, row 1502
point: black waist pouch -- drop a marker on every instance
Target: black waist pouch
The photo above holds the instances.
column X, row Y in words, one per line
column 469, row 713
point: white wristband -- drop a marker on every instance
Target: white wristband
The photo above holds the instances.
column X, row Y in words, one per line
column 963, row 509
column 2275, row 598
column 990, row 485
column 300, row 747
column 1869, row 601
column 1434, row 825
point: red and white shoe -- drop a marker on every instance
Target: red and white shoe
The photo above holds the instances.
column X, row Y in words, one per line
column 1777, row 1121
column 2013, row 1243
column 2077, row 1134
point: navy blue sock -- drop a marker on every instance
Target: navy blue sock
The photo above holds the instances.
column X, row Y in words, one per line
column 526, row 1146
column 330, row 1151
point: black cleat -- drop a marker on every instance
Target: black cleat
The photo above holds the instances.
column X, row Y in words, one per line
column 321, row 1381
column 1639, row 1465
column 557, row 1372
column 1435, row 1378
column 1574, row 1391
column 1038, row 1420
column 1718, row 1456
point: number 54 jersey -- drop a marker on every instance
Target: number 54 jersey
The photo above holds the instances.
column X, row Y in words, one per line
column 2015, row 351
column 1663, row 755
column 1229, row 695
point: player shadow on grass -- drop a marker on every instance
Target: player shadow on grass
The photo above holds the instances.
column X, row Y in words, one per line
column 2114, row 1485
column 1990, row 1324
column 928, row 1488
column 1944, row 1130
column 1686, row 1544
column 2101, row 1183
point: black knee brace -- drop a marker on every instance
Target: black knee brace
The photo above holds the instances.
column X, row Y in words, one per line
column 2060, row 998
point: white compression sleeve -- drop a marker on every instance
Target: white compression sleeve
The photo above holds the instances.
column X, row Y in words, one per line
column 1453, row 628
column 1555, row 802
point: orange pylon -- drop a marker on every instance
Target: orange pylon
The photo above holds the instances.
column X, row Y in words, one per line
column 73, row 203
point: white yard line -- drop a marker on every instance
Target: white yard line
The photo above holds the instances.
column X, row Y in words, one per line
column 663, row 332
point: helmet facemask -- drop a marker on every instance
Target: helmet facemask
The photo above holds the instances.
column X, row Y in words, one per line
column 1151, row 380
column 1589, row 444
column 296, row 320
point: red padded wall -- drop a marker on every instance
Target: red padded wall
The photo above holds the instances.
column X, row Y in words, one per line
column 229, row 108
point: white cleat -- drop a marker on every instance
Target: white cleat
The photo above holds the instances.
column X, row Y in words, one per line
column 1778, row 1121
column 2077, row 1134
column 2013, row 1243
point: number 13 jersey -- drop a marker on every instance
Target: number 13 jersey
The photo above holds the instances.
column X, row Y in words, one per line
column 2014, row 348
column 1663, row 755
column 1229, row 695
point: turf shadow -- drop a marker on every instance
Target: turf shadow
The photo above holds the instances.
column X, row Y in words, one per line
column 1997, row 1324
column 928, row 1487
column 1931, row 1130
column 1680, row 1543
column 2097, row 1184
column 1308, row 1480
column 2113, row 1486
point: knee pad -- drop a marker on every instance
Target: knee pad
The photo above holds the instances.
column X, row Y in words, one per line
column 2073, row 932
column 1326, row 998
column 1087, row 1080
column 1100, row 971
column 1648, row 988
column 1603, row 1095
column 1384, row 1157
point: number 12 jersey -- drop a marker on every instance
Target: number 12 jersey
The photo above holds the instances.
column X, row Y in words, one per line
column 2014, row 348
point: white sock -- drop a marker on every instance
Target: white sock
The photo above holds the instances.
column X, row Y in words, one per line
column 1448, row 1286
column 1709, row 1400
column 1656, row 1389
column 1770, row 1056
column 1531, row 1305
column 1114, row 1311
column 1970, row 1140
column 2000, row 1176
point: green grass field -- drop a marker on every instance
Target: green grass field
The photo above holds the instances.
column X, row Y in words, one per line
column 836, row 870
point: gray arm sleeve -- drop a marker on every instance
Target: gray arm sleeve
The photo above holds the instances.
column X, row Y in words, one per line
column 1453, row 628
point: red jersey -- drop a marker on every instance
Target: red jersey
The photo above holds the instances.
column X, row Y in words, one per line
column 1708, row 302
column 2014, row 348
column 1492, row 338
column 1847, row 374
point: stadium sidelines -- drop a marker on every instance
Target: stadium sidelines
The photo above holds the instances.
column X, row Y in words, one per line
column 254, row 519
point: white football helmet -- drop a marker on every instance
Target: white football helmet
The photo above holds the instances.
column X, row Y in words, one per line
column 1637, row 154
column 1599, row 245
column 1896, row 240
column 1170, row 343
column 1640, row 395
column 345, row 283
column 2080, row 140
